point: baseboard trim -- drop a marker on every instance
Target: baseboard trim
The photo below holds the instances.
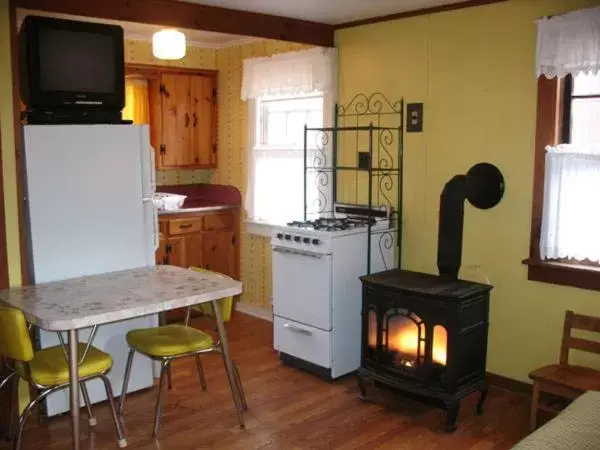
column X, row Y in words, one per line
column 255, row 311
column 509, row 384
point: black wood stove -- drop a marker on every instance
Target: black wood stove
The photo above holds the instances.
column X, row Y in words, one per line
column 427, row 334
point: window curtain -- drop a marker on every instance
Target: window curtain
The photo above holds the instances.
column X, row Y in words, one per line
column 571, row 219
column 292, row 73
column 137, row 101
column 569, row 43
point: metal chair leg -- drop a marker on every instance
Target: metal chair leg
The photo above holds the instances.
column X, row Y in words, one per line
column 14, row 407
column 23, row 418
column 126, row 381
column 122, row 441
column 161, row 387
column 200, row 372
column 169, row 378
column 88, row 404
column 240, row 388
column 6, row 381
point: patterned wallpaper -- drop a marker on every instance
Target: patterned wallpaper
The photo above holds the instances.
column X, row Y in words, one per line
column 255, row 250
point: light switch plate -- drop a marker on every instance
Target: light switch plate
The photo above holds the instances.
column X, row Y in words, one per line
column 414, row 117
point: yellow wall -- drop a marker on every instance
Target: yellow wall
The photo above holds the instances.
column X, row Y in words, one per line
column 256, row 250
column 474, row 71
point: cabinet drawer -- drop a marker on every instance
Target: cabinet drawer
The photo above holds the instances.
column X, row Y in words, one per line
column 302, row 341
column 219, row 221
column 180, row 226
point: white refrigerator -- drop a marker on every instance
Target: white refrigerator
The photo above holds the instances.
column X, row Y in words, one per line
column 88, row 192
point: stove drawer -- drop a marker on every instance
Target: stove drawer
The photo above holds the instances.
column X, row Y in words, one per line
column 302, row 341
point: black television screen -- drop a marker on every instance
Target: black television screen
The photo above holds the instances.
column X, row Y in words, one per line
column 70, row 64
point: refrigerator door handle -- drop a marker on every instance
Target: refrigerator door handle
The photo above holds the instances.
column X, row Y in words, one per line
column 154, row 221
column 152, row 169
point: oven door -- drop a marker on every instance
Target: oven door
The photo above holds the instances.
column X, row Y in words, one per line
column 302, row 286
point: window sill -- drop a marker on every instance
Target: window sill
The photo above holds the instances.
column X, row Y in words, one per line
column 263, row 229
column 575, row 275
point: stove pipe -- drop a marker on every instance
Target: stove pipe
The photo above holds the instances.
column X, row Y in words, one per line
column 450, row 232
column 483, row 186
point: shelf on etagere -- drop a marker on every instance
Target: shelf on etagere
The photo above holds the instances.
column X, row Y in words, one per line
column 376, row 170
column 358, row 128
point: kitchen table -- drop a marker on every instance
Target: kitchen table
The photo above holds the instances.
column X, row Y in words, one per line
column 94, row 300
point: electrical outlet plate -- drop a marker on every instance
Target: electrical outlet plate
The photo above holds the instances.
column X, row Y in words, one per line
column 364, row 160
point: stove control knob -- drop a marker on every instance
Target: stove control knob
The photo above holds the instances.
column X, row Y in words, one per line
column 297, row 238
column 279, row 235
column 306, row 240
column 316, row 242
column 288, row 237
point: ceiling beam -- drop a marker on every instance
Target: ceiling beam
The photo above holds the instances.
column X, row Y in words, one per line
column 416, row 12
column 179, row 14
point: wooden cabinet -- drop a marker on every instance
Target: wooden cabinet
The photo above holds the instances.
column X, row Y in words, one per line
column 219, row 251
column 208, row 240
column 185, row 126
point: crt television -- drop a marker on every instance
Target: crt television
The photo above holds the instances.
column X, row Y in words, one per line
column 67, row 64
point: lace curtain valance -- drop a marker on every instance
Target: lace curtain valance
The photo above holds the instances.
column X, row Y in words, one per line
column 292, row 73
column 569, row 43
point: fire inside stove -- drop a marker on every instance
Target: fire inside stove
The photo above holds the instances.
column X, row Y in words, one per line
column 404, row 337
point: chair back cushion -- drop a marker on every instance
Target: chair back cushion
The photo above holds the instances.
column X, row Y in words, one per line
column 15, row 342
column 226, row 304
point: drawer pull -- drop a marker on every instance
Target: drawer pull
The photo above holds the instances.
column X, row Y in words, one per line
column 185, row 225
column 297, row 329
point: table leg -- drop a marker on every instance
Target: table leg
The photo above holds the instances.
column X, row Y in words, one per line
column 74, row 388
column 228, row 363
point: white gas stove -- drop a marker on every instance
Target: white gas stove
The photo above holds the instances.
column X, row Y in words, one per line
column 316, row 286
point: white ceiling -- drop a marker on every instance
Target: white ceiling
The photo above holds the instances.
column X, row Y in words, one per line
column 141, row 31
column 327, row 11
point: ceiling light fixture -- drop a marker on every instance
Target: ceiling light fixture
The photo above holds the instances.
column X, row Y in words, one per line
column 168, row 44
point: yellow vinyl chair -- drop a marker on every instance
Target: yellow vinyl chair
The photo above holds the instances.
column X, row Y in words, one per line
column 47, row 370
column 166, row 343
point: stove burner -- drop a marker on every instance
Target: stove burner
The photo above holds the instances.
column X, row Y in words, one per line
column 332, row 224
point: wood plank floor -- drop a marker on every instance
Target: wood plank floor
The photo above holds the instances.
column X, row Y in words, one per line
column 288, row 409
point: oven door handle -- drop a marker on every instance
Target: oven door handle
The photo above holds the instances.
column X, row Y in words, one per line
column 297, row 252
column 297, row 329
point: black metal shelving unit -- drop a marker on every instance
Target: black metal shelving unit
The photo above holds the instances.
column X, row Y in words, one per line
column 363, row 150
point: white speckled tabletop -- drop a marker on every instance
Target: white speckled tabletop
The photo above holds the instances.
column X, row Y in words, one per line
column 99, row 299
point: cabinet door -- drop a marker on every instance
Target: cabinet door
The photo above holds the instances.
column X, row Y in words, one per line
column 203, row 132
column 176, row 251
column 175, row 123
column 219, row 251
column 161, row 252
column 194, row 249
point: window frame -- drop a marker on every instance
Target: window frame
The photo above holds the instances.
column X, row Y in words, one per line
column 254, row 225
column 552, row 119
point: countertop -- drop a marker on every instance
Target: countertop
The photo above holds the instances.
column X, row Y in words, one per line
column 198, row 206
column 110, row 297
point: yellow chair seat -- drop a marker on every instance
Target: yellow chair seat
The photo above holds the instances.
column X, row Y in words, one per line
column 169, row 340
column 50, row 368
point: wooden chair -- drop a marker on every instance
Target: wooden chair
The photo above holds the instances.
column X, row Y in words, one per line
column 563, row 379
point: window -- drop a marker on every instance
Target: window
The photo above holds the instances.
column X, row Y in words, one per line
column 276, row 191
column 565, row 248
column 581, row 115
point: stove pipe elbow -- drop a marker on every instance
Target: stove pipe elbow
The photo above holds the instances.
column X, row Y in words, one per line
column 450, row 231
